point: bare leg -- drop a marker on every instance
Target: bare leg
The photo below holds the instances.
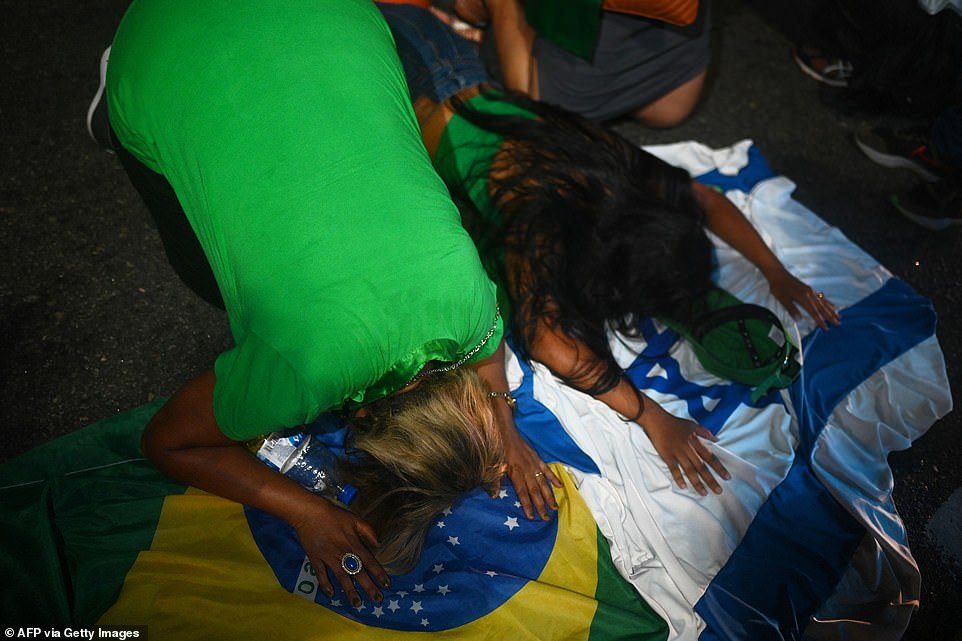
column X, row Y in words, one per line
column 514, row 40
column 672, row 108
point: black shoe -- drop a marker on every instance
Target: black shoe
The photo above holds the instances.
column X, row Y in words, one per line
column 935, row 206
column 98, row 124
column 906, row 148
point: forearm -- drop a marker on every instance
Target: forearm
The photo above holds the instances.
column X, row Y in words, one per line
column 676, row 440
column 571, row 360
column 724, row 220
column 633, row 404
column 233, row 473
column 491, row 370
column 183, row 440
column 625, row 399
column 531, row 477
column 514, row 40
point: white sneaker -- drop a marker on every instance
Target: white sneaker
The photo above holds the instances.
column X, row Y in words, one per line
column 98, row 125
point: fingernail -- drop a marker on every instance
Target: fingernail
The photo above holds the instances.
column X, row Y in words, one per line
column 328, row 592
column 385, row 583
column 356, row 602
column 378, row 597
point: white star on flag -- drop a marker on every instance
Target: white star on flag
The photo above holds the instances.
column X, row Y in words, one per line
column 393, row 606
column 453, row 540
column 491, row 573
column 402, row 593
column 419, row 587
column 447, row 511
column 378, row 611
column 438, row 568
column 360, row 607
column 512, row 522
column 424, row 622
column 443, row 589
column 503, row 494
column 416, row 607
column 335, row 603
column 440, row 524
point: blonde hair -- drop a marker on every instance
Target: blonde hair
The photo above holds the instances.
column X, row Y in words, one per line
column 425, row 446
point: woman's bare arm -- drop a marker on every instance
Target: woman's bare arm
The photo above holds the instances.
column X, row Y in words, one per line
column 514, row 41
column 676, row 440
column 531, row 477
column 725, row 221
column 184, row 440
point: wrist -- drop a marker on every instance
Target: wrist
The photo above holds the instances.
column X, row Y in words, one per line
column 771, row 268
column 507, row 397
column 300, row 508
column 641, row 408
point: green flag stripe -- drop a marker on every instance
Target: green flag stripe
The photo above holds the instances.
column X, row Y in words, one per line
column 64, row 551
column 622, row 614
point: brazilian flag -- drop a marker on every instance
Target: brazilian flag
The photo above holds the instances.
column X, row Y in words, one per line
column 92, row 533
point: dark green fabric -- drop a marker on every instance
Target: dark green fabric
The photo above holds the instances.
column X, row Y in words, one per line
column 570, row 24
column 74, row 514
column 740, row 342
column 622, row 612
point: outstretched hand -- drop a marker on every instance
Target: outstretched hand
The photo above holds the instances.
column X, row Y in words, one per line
column 531, row 477
column 328, row 533
column 728, row 223
column 793, row 293
column 679, row 443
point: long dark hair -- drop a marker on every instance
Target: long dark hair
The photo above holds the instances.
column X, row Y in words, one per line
column 604, row 232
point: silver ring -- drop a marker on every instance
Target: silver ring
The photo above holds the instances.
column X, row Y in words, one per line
column 539, row 474
column 351, row 563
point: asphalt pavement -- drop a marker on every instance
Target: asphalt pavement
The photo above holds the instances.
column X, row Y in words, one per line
column 93, row 320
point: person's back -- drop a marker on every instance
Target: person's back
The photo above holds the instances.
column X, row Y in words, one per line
column 288, row 137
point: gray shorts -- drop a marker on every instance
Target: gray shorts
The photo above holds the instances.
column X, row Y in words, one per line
column 636, row 61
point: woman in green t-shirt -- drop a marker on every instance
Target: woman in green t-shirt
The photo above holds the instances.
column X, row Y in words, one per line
column 585, row 231
column 278, row 152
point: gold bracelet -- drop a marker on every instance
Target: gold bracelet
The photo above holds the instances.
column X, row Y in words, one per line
column 507, row 396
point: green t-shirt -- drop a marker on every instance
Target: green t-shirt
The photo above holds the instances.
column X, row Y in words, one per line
column 287, row 134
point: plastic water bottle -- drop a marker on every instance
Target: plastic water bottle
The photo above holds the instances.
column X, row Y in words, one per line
column 307, row 461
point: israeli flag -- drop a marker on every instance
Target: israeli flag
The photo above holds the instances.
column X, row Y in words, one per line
column 805, row 534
